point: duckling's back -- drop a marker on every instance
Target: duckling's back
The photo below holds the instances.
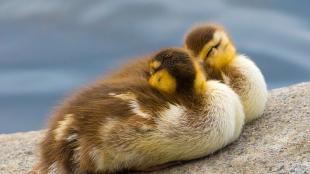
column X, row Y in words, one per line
column 102, row 116
column 90, row 134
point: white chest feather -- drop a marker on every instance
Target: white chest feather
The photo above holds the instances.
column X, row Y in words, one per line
column 221, row 123
column 250, row 85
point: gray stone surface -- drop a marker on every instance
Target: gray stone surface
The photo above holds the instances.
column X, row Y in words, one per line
column 278, row 142
column 18, row 151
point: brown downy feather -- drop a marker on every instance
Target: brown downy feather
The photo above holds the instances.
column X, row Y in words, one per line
column 77, row 122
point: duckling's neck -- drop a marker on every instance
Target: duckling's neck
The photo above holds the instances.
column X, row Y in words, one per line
column 215, row 72
column 200, row 84
column 200, row 80
column 224, row 61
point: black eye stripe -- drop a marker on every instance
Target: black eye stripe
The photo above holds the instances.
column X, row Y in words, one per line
column 159, row 79
column 209, row 52
column 214, row 47
column 218, row 44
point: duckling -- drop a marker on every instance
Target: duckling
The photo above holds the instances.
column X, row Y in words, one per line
column 211, row 44
column 166, row 112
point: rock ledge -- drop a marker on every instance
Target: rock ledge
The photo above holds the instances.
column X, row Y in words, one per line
column 278, row 142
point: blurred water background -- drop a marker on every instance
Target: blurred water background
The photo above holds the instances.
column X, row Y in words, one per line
column 51, row 47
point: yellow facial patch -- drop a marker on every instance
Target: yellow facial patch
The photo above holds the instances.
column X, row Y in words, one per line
column 200, row 80
column 163, row 81
column 220, row 56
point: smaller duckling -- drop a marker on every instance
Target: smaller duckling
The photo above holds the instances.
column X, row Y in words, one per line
column 144, row 122
column 212, row 45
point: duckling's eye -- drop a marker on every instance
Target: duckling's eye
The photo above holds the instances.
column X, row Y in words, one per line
column 217, row 45
column 210, row 51
column 213, row 48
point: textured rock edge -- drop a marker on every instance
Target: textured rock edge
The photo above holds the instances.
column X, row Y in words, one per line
column 278, row 142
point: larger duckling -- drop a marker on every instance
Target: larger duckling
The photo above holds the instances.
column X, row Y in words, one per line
column 170, row 113
column 212, row 45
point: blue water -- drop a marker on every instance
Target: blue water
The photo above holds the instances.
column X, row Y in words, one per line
column 50, row 47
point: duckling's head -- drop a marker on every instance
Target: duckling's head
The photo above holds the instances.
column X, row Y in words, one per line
column 173, row 71
column 211, row 44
